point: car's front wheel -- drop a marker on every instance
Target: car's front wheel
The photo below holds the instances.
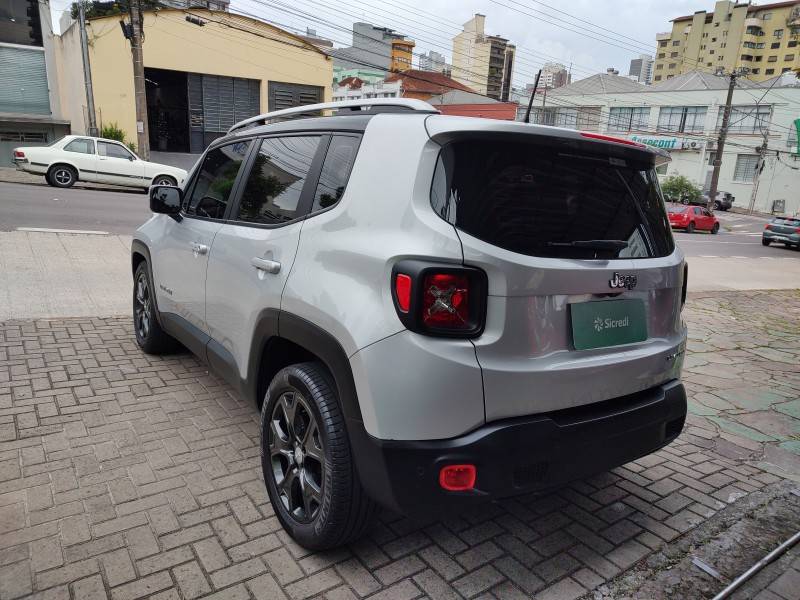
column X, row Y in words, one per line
column 715, row 228
column 307, row 460
column 165, row 180
column 62, row 176
column 764, row 242
column 690, row 227
column 149, row 335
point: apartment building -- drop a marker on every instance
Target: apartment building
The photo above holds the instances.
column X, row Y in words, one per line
column 683, row 116
column 375, row 48
column 554, row 75
column 762, row 38
column 433, row 61
column 642, row 69
column 483, row 62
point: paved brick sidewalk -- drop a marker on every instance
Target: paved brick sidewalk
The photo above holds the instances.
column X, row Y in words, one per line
column 124, row 476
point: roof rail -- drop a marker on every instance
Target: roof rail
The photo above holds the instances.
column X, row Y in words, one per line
column 370, row 105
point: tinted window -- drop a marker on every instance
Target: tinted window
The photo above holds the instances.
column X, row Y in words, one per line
column 275, row 183
column 335, row 171
column 789, row 222
column 676, row 209
column 80, row 145
column 113, row 150
column 538, row 201
column 214, row 181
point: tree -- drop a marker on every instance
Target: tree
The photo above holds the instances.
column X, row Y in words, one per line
column 678, row 188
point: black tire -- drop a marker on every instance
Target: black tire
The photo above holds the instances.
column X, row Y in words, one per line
column 164, row 180
column 685, row 201
column 717, row 205
column 149, row 335
column 690, row 228
column 715, row 228
column 764, row 242
column 335, row 510
column 62, row 176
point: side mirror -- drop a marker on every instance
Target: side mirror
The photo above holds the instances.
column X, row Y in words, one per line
column 165, row 199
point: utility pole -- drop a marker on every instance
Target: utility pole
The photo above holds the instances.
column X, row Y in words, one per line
column 723, row 132
column 140, row 94
column 533, row 93
column 762, row 153
column 87, row 71
column 544, row 98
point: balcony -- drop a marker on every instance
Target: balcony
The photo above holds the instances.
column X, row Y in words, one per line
column 667, row 35
column 753, row 22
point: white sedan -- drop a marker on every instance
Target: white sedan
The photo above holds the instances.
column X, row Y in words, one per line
column 83, row 158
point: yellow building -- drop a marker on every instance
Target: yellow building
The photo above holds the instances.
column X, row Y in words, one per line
column 762, row 38
column 200, row 79
column 402, row 55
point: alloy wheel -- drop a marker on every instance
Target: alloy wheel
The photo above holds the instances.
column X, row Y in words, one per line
column 297, row 456
column 142, row 308
column 62, row 176
column 164, row 181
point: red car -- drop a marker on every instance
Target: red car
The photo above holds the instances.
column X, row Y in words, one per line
column 692, row 218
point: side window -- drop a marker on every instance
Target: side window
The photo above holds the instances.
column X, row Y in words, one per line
column 113, row 151
column 214, row 181
column 81, row 145
column 276, row 181
column 335, row 171
column 698, row 210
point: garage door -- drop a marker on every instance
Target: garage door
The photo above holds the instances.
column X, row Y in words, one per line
column 216, row 103
column 288, row 95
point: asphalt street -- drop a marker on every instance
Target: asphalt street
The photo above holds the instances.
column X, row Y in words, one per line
column 42, row 206
column 122, row 211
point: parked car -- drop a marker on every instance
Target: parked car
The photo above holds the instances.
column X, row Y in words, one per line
column 723, row 202
column 692, row 218
column 430, row 312
column 83, row 158
column 784, row 230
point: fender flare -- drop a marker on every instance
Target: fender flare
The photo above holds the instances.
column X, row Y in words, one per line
column 139, row 247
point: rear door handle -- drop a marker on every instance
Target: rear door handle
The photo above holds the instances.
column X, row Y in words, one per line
column 198, row 249
column 266, row 265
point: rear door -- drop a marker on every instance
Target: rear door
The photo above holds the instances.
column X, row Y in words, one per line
column 584, row 277
column 253, row 253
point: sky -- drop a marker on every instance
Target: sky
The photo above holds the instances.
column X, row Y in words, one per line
column 592, row 35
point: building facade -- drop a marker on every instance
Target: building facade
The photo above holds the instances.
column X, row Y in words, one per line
column 483, row 62
column 30, row 107
column 402, row 55
column 683, row 116
column 433, row 61
column 762, row 38
column 199, row 80
column 373, row 48
column 353, row 88
column 554, row 75
column 642, row 69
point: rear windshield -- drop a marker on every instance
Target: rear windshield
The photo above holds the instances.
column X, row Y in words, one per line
column 538, row 201
column 676, row 208
column 789, row 222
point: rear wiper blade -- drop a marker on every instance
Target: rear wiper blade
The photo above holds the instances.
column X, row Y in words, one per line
column 592, row 244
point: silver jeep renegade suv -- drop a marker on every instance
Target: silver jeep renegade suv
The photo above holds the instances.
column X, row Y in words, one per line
column 429, row 311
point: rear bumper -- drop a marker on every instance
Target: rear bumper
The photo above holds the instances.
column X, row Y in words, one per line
column 521, row 455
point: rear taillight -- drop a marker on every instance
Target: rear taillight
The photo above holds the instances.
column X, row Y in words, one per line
column 402, row 290
column 445, row 301
column 19, row 154
column 685, row 284
column 440, row 300
column 610, row 138
column 797, row 229
column 767, row 226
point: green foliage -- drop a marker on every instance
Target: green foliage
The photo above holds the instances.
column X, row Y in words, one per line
column 112, row 131
column 677, row 188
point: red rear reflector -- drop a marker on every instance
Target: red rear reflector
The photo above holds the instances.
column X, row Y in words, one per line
column 445, row 301
column 402, row 287
column 458, row 478
column 767, row 226
column 19, row 154
column 609, row 138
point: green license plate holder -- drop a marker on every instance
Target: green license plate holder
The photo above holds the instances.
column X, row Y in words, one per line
column 607, row 323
